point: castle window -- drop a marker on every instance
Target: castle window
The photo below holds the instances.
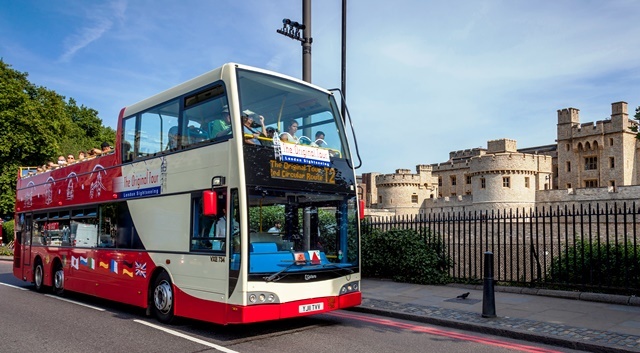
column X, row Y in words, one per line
column 568, row 166
column 612, row 163
column 414, row 198
column 591, row 163
column 568, row 147
column 483, row 183
column 506, row 182
column 611, row 142
column 379, row 199
column 591, row 183
column 453, row 194
column 468, row 179
column 612, row 183
column 526, row 182
column 568, row 185
column 439, row 181
column 453, row 180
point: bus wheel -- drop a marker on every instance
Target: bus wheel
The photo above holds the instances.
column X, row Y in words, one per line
column 58, row 280
column 163, row 298
column 38, row 276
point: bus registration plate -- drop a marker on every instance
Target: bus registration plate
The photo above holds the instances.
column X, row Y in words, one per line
column 310, row 307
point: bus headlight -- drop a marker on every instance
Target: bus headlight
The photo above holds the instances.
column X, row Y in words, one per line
column 350, row 287
column 262, row 298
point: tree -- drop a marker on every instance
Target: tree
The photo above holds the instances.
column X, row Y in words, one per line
column 635, row 128
column 37, row 125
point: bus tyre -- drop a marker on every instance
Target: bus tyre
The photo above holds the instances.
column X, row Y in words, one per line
column 58, row 280
column 163, row 298
column 38, row 276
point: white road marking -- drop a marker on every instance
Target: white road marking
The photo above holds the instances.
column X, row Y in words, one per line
column 193, row 339
column 12, row 286
column 74, row 302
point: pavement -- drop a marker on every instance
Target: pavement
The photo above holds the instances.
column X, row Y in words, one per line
column 583, row 321
column 590, row 322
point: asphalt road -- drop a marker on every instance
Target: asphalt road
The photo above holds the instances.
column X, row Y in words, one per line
column 35, row 322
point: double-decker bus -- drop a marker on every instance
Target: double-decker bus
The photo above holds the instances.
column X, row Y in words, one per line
column 179, row 218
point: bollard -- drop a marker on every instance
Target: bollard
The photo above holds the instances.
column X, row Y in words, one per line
column 488, row 293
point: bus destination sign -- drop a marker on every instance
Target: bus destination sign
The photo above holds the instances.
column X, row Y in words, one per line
column 294, row 171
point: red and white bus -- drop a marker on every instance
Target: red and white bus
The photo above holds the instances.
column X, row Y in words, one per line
column 174, row 220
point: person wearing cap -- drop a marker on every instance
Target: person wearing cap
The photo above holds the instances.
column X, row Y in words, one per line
column 221, row 127
column 251, row 135
column 106, row 147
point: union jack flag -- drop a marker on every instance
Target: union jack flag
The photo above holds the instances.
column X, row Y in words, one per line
column 141, row 269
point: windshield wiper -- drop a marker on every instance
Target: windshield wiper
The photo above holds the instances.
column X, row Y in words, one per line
column 276, row 276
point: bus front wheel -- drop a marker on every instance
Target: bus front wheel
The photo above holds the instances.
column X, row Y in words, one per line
column 38, row 276
column 163, row 298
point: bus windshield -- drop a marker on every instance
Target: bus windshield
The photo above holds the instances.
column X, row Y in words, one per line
column 293, row 113
column 320, row 228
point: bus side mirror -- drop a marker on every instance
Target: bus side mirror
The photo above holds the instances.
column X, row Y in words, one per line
column 361, row 209
column 209, row 203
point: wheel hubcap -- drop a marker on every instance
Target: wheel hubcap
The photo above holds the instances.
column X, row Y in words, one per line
column 38, row 276
column 58, row 279
column 163, row 297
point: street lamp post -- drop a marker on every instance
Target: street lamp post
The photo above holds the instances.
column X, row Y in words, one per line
column 292, row 30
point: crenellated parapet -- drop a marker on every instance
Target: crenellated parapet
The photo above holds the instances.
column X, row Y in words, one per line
column 511, row 163
column 466, row 154
column 397, row 180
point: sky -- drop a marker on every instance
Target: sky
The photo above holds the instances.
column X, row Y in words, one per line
column 424, row 78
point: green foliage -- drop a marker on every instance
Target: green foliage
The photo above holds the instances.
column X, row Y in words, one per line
column 635, row 128
column 616, row 265
column 404, row 256
column 263, row 218
column 7, row 231
column 36, row 126
column 5, row 251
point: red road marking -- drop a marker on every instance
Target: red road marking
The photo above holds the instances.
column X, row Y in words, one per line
column 450, row 334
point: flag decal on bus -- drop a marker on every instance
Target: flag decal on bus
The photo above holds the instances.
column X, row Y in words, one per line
column 114, row 266
column 75, row 263
column 141, row 269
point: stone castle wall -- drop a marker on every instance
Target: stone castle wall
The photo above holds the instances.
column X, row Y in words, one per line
column 500, row 177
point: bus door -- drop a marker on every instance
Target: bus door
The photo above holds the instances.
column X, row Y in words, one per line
column 23, row 240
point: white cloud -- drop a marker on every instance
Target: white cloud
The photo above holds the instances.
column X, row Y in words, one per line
column 101, row 20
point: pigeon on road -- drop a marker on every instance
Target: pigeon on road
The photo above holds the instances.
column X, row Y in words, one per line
column 463, row 295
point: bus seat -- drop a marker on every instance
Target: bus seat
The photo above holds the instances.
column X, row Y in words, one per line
column 263, row 247
column 197, row 135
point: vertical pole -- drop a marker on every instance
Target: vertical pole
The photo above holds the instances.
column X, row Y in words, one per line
column 344, row 58
column 488, row 294
column 306, row 43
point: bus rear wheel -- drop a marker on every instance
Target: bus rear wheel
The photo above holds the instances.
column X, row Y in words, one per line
column 163, row 298
column 58, row 280
column 38, row 276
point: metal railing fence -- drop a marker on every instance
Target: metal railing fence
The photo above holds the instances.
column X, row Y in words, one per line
column 582, row 247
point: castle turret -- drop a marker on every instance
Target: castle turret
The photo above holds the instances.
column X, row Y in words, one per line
column 619, row 115
column 567, row 118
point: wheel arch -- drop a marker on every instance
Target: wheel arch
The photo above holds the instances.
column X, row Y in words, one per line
column 152, row 281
